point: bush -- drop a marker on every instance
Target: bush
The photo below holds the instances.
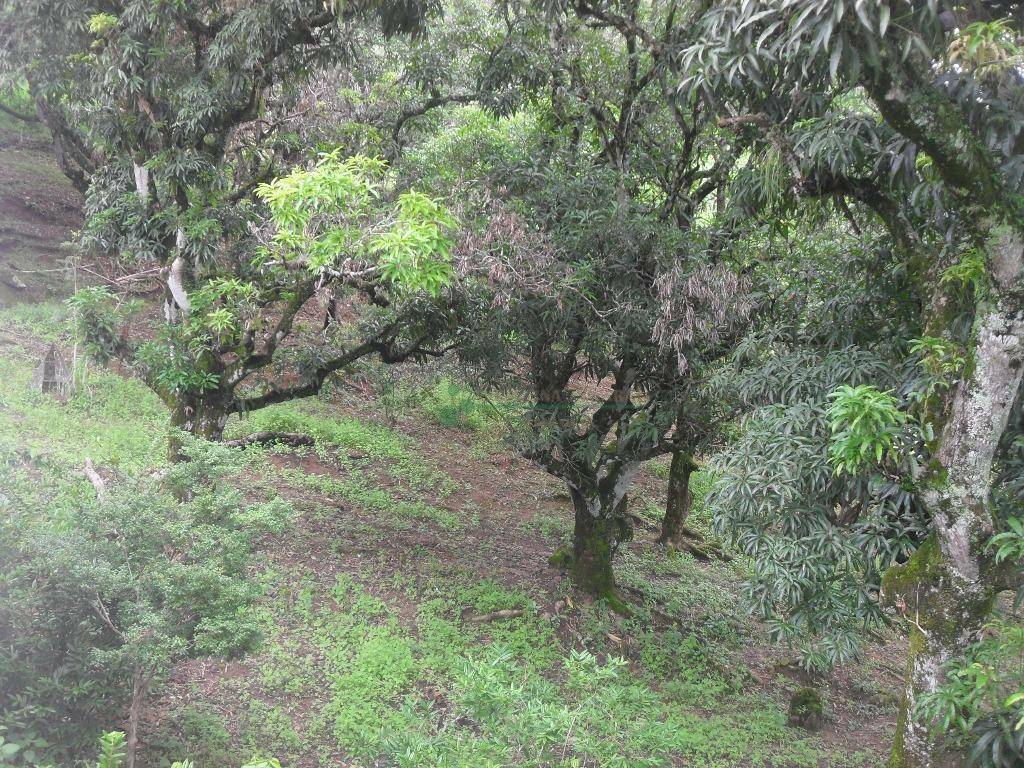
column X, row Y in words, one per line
column 98, row 602
column 113, row 750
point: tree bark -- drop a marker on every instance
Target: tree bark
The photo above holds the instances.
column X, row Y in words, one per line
column 140, row 688
column 947, row 589
column 200, row 415
column 599, row 527
column 679, row 500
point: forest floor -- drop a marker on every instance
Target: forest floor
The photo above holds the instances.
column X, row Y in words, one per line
column 39, row 210
column 414, row 524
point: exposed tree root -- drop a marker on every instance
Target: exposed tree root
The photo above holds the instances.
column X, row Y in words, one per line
column 697, row 545
column 293, row 439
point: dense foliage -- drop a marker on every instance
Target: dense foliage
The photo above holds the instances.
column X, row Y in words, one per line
column 782, row 239
column 102, row 596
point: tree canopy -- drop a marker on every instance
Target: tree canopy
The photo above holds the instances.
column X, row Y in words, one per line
column 781, row 241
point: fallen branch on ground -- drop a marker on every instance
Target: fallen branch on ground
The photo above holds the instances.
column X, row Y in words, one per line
column 506, row 614
column 97, row 482
column 293, row 439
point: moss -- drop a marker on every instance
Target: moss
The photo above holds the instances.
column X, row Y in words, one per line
column 589, row 560
column 943, row 606
column 807, row 709
column 898, row 754
column 560, row 558
column 923, row 567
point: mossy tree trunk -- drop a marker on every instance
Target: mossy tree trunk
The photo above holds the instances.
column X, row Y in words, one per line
column 678, row 501
column 947, row 589
column 945, row 611
column 593, row 546
column 202, row 415
column 600, row 526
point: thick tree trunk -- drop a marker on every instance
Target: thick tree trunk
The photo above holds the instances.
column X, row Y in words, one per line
column 593, row 545
column 679, row 500
column 203, row 416
column 947, row 589
column 600, row 526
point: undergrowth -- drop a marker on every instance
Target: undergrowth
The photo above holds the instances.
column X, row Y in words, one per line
column 427, row 686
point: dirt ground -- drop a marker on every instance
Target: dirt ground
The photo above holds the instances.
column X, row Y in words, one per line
column 39, row 212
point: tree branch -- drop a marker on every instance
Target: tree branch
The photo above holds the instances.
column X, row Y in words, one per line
column 25, row 118
column 435, row 100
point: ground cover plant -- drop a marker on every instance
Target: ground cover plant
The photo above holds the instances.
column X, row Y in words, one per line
column 595, row 383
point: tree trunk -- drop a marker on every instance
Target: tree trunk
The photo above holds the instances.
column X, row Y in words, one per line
column 947, row 589
column 140, row 688
column 203, row 416
column 598, row 529
column 679, row 499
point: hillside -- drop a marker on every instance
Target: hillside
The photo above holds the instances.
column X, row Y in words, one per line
column 605, row 383
column 409, row 613
column 385, row 641
column 39, row 209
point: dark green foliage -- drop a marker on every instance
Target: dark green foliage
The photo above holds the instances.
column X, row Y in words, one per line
column 820, row 540
column 807, row 709
column 107, row 591
column 905, row 116
column 593, row 263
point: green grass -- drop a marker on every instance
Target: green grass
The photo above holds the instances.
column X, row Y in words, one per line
column 363, row 439
column 492, row 421
column 357, row 488
column 47, row 320
column 438, row 690
column 95, row 423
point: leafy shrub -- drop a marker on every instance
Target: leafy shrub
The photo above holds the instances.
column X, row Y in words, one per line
column 97, row 603
column 865, row 425
column 982, row 701
column 453, row 405
column 113, row 752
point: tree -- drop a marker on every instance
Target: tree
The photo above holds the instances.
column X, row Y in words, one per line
column 917, row 109
column 326, row 226
column 594, row 271
column 180, row 115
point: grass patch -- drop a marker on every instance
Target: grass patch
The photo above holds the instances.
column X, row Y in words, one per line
column 95, row 422
column 435, row 689
column 47, row 320
column 358, row 489
column 368, row 440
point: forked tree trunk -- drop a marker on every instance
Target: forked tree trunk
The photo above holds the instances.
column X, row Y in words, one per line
column 947, row 589
column 679, row 500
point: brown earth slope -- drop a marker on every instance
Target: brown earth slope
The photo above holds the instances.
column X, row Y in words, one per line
column 39, row 211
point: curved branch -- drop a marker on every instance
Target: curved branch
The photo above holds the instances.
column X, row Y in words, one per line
column 25, row 118
column 435, row 100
